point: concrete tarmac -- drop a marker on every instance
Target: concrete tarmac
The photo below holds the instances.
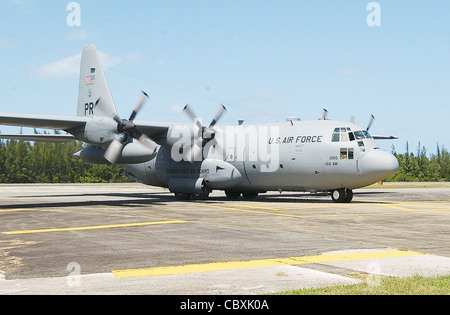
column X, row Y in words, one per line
column 135, row 239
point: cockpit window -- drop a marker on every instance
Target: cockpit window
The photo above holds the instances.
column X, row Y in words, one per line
column 340, row 134
column 359, row 135
column 335, row 137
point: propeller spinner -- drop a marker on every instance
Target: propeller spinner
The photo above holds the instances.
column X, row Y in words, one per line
column 202, row 134
column 126, row 128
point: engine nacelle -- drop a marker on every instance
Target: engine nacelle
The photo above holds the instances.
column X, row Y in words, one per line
column 133, row 153
column 98, row 131
column 187, row 185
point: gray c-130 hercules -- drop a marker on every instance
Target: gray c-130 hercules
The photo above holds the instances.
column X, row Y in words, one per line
column 192, row 159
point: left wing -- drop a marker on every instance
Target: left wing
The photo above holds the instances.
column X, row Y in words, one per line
column 39, row 137
column 43, row 121
column 154, row 130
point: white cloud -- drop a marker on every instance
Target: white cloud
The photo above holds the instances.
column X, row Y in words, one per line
column 70, row 66
column 60, row 68
column 109, row 61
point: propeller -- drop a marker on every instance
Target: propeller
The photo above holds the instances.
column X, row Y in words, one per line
column 372, row 118
column 202, row 134
column 126, row 128
column 324, row 114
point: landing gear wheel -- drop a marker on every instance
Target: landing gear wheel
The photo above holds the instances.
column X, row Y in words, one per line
column 232, row 195
column 338, row 195
column 349, row 196
column 250, row 195
column 342, row 195
column 200, row 196
column 182, row 196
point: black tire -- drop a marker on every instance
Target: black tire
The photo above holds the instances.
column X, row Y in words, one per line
column 250, row 195
column 182, row 196
column 232, row 195
column 349, row 196
column 200, row 196
column 338, row 195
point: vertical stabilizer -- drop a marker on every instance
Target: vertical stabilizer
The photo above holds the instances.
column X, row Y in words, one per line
column 93, row 85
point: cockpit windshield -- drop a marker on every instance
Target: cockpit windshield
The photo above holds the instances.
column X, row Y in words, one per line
column 367, row 135
column 362, row 134
column 342, row 134
column 359, row 135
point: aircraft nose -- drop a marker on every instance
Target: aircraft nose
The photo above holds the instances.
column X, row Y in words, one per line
column 379, row 164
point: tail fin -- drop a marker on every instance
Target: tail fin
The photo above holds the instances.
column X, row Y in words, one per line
column 93, row 85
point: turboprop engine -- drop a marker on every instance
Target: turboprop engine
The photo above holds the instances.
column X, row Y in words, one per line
column 133, row 153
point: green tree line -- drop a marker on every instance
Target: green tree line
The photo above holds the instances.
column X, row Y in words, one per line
column 41, row 162
column 420, row 167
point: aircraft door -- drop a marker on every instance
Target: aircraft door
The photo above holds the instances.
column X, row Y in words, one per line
column 358, row 154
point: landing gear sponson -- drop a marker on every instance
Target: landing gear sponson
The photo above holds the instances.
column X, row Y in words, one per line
column 232, row 195
column 341, row 195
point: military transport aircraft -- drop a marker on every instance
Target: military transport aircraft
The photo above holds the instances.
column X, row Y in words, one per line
column 193, row 159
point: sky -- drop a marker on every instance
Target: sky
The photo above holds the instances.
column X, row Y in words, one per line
column 264, row 60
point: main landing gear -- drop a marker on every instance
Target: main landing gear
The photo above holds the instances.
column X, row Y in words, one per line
column 183, row 196
column 234, row 195
column 342, row 195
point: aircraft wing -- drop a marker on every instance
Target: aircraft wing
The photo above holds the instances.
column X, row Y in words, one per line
column 153, row 129
column 39, row 137
column 42, row 121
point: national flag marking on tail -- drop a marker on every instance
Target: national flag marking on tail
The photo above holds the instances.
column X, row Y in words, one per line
column 90, row 79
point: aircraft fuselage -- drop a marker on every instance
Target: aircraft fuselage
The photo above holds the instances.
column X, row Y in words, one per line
column 311, row 156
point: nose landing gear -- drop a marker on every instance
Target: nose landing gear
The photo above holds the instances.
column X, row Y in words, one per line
column 342, row 195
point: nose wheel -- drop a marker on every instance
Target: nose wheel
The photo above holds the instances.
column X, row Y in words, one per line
column 342, row 195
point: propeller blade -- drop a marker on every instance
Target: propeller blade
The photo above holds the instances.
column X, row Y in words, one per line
column 146, row 141
column 102, row 107
column 187, row 109
column 324, row 114
column 372, row 118
column 141, row 100
column 219, row 114
column 114, row 151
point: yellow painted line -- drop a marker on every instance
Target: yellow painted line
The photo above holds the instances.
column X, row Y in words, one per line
column 396, row 207
column 302, row 216
column 260, row 263
column 419, row 206
column 95, row 227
